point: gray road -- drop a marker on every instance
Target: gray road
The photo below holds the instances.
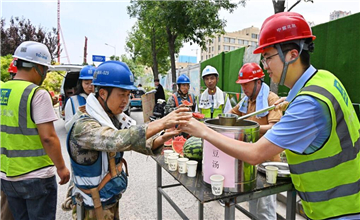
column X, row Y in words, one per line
column 139, row 201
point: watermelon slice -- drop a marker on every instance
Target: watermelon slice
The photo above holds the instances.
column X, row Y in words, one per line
column 198, row 115
column 168, row 143
column 178, row 144
column 186, row 103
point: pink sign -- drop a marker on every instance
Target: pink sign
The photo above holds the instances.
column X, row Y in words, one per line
column 218, row 162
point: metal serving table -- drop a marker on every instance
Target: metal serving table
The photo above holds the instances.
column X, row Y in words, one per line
column 202, row 193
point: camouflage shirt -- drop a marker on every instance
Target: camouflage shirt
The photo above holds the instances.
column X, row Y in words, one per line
column 171, row 105
column 88, row 137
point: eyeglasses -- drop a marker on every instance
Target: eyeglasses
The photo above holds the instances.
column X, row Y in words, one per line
column 265, row 60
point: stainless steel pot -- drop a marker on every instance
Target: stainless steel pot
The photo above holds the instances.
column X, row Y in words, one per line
column 239, row 176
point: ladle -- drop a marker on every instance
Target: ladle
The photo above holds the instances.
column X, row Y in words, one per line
column 228, row 119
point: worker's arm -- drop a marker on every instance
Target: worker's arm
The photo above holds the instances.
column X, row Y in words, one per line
column 51, row 144
column 253, row 153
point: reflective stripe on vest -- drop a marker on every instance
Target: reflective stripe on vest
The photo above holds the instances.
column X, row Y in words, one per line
column 21, row 148
column 178, row 100
column 22, row 128
column 328, row 180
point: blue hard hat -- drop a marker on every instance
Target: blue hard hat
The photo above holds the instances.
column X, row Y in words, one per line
column 87, row 72
column 114, row 74
column 183, row 79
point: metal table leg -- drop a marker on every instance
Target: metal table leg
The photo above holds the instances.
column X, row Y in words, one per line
column 229, row 209
column 201, row 211
column 159, row 196
column 291, row 205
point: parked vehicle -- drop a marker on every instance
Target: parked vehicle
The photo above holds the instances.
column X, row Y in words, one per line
column 136, row 98
column 68, row 84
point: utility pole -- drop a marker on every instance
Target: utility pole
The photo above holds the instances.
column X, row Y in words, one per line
column 85, row 50
column 58, row 29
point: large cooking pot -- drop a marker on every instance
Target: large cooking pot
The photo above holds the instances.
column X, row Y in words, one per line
column 239, row 176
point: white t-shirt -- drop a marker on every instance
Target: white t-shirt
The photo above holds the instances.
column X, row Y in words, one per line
column 42, row 112
column 70, row 116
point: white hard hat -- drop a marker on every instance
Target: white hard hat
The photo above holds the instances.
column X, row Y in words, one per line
column 209, row 70
column 33, row 52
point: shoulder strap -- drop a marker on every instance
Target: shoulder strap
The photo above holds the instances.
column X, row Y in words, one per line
column 72, row 105
column 81, row 100
column 176, row 100
column 191, row 99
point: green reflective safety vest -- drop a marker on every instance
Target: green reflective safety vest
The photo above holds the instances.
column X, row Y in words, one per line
column 21, row 148
column 328, row 180
column 216, row 112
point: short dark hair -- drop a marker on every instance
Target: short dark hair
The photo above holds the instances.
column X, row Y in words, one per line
column 140, row 84
column 156, row 80
column 305, row 54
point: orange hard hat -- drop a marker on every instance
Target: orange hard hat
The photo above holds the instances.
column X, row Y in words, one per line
column 250, row 72
column 283, row 27
column 12, row 68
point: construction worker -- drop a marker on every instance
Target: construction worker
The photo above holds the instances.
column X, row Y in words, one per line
column 182, row 94
column 258, row 96
column 29, row 145
column 12, row 69
column 83, row 88
column 213, row 101
column 319, row 130
column 97, row 141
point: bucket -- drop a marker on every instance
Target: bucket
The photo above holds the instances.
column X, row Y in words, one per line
column 239, row 175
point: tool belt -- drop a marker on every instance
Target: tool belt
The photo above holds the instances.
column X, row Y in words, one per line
column 114, row 171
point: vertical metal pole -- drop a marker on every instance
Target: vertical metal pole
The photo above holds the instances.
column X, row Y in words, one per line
column 229, row 209
column 159, row 196
column 201, row 211
column 291, row 205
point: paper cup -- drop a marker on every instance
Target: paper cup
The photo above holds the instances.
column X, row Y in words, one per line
column 182, row 164
column 174, row 154
column 172, row 162
column 166, row 154
column 191, row 168
column 271, row 174
column 217, row 183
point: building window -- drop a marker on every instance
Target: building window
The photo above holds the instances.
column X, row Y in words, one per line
column 218, row 47
column 255, row 36
column 232, row 48
column 253, row 43
column 219, row 38
column 212, row 49
column 226, row 40
column 241, row 42
column 226, row 48
column 232, row 40
column 246, row 42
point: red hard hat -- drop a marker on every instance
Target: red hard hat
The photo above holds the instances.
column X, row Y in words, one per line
column 12, row 68
column 282, row 27
column 250, row 72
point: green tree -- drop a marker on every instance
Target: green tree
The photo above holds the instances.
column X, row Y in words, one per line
column 136, row 69
column 53, row 81
column 23, row 30
column 5, row 63
column 147, row 44
column 190, row 21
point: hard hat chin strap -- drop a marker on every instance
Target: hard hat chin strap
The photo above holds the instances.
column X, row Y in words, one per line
column 42, row 74
column 286, row 64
